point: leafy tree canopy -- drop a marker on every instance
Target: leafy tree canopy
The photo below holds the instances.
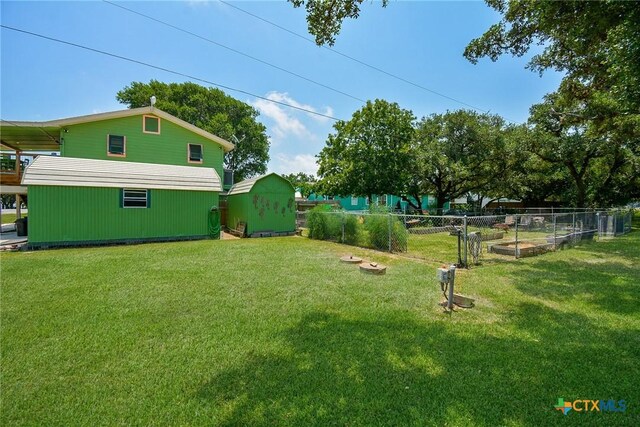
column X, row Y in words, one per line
column 597, row 44
column 302, row 182
column 459, row 152
column 369, row 154
column 214, row 111
column 324, row 18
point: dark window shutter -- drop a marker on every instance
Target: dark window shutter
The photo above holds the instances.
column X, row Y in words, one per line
column 195, row 152
column 122, row 197
column 116, row 144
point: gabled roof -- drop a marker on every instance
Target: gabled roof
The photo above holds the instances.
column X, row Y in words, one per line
column 246, row 185
column 43, row 135
column 75, row 172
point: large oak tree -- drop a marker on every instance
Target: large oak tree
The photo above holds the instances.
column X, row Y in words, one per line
column 370, row 154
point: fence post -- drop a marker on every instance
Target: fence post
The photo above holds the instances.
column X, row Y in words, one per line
column 598, row 224
column 615, row 220
column 555, row 233
column 343, row 216
column 574, row 239
column 389, row 226
column 516, row 252
column 465, row 241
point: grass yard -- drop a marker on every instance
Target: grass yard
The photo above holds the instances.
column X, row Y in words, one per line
column 6, row 218
column 278, row 332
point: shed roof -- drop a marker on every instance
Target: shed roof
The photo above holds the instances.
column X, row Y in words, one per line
column 74, row 172
column 44, row 135
column 246, row 185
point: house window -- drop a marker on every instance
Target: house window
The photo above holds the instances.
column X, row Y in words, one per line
column 195, row 153
column 366, row 201
column 135, row 198
column 116, row 145
column 354, row 201
column 151, row 124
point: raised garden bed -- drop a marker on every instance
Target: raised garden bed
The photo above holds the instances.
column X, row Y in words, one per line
column 525, row 249
column 432, row 230
column 566, row 238
column 496, row 235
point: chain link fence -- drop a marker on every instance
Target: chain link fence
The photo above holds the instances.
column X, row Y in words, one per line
column 465, row 240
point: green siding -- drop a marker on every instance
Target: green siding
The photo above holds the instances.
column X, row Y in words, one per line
column 87, row 214
column 89, row 141
column 269, row 206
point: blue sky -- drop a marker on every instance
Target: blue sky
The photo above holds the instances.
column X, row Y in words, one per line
column 421, row 42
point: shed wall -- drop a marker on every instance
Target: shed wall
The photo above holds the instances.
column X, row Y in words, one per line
column 87, row 214
column 269, row 206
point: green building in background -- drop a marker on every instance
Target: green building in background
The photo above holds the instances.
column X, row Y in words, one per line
column 262, row 206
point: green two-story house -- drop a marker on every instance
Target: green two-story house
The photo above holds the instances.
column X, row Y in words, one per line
column 131, row 175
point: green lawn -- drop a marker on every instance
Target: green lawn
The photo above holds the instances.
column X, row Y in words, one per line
column 6, row 218
column 278, row 332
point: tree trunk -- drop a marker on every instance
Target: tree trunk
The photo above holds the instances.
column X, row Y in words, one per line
column 580, row 186
column 418, row 206
column 440, row 201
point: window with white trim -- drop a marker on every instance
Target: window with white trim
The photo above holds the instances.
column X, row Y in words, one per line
column 354, row 201
column 195, row 153
column 135, row 198
column 116, row 145
column 151, row 124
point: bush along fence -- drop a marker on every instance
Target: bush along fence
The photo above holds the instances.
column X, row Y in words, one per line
column 465, row 240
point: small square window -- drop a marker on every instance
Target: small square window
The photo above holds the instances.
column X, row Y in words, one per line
column 134, row 198
column 195, row 153
column 151, row 124
column 116, row 145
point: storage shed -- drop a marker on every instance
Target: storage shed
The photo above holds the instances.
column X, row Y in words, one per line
column 262, row 206
column 86, row 201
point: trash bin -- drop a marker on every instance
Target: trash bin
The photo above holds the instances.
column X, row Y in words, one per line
column 21, row 226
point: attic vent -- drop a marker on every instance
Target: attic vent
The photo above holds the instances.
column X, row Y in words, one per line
column 151, row 124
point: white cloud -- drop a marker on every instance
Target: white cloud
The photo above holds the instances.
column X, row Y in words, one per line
column 283, row 163
column 287, row 121
column 285, row 124
column 285, row 98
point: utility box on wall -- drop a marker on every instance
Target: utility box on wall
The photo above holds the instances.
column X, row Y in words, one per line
column 266, row 204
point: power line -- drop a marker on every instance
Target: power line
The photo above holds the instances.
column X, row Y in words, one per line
column 177, row 73
column 337, row 52
column 234, row 50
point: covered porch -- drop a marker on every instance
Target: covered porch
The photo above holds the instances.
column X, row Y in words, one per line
column 20, row 143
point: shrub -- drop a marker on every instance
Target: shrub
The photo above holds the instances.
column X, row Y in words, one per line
column 352, row 229
column 334, row 226
column 317, row 222
column 378, row 226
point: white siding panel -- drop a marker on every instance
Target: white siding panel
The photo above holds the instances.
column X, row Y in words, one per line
column 74, row 172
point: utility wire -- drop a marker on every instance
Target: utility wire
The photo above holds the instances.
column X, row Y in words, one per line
column 177, row 73
column 233, row 50
column 337, row 52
